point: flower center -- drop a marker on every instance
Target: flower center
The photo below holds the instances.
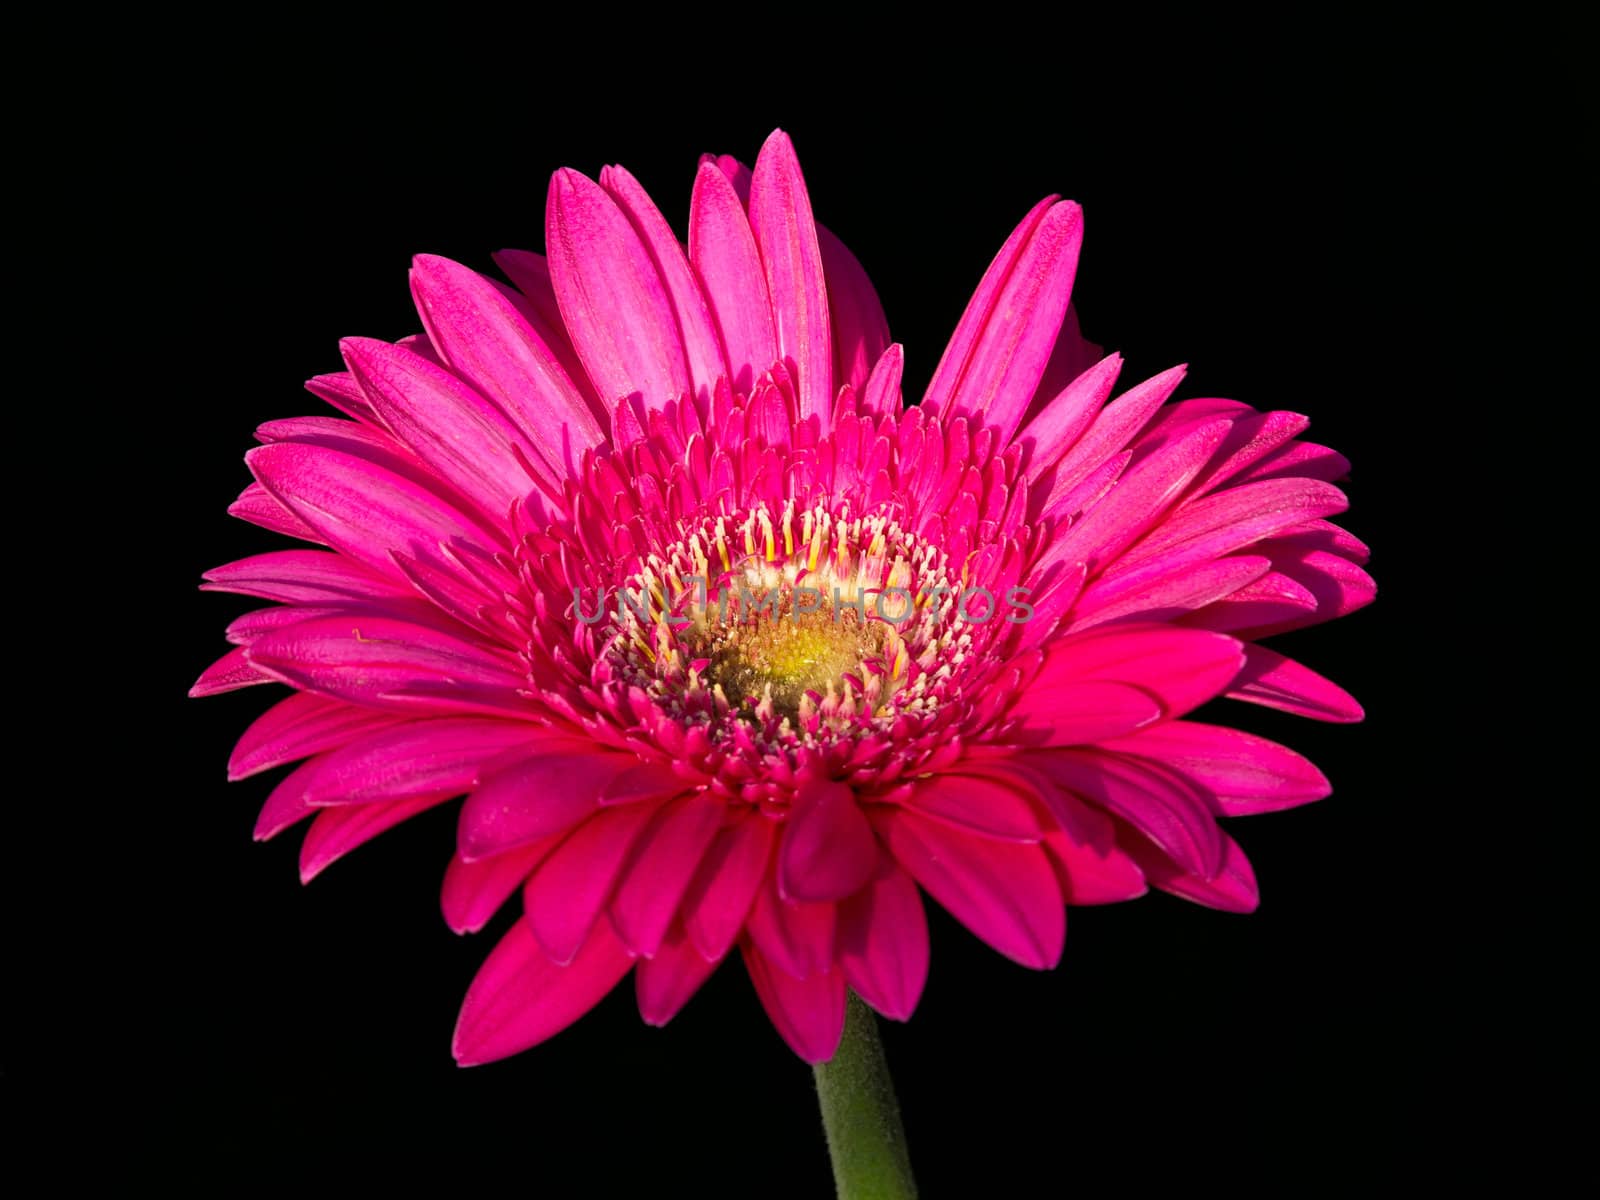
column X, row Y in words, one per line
column 793, row 625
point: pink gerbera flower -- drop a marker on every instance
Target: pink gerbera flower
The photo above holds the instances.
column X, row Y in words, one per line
column 731, row 651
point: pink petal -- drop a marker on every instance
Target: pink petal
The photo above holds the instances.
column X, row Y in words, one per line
column 941, row 394
column 464, row 438
column 1112, row 429
column 723, row 251
column 1075, row 712
column 808, row 1013
column 1158, row 803
column 1059, row 425
column 1165, row 589
column 357, row 507
column 860, row 330
column 613, row 300
column 379, row 661
column 1245, row 774
column 1181, row 668
column 702, row 348
column 439, row 755
column 337, row 831
column 1008, row 359
column 975, row 805
column 1232, row 889
column 490, row 344
column 798, row 937
column 229, row 673
column 883, row 943
column 1088, row 875
column 572, row 886
column 1004, row 892
column 516, row 802
column 519, row 997
column 663, row 860
column 301, row 577
column 474, row 891
column 665, row 982
column 786, row 235
column 300, row 726
column 828, row 850
column 720, row 895
column 260, row 507
column 1271, row 679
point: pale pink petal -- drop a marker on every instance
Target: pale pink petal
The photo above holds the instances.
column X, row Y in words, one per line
column 1004, row 892
column 828, row 850
column 883, row 943
column 519, row 997
column 786, row 236
column 664, row 982
column 808, row 1013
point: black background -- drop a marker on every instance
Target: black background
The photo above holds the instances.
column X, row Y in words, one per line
column 1286, row 227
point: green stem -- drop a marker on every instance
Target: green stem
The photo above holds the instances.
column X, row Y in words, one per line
column 862, row 1119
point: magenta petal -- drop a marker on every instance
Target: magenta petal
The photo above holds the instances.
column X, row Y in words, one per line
column 439, row 755
column 519, row 997
column 1181, row 668
column 883, row 943
column 940, row 397
column 1004, row 892
column 719, row 897
column 1271, row 679
column 1009, row 358
column 448, row 425
column 302, row 577
column 374, row 661
column 828, row 850
column 1246, row 774
column 572, row 886
column 337, row 831
column 976, row 806
column 786, row 235
column 860, row 329
column 723, row 251
column 1090, row 875
column 1232, row 889
column 516, row 802
column 702, row 348
column 299, row 726
column 664, row 982
column 1158, row 803
column 659, row 868
column 1056, row 429
column 613, row 299
column 808, row 1013
column 474, row 891
column 1076, row 711
column 798, row 937
column 358, row 507
column 229, row 673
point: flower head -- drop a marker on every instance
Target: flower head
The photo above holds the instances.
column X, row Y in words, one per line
column 729, row 649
